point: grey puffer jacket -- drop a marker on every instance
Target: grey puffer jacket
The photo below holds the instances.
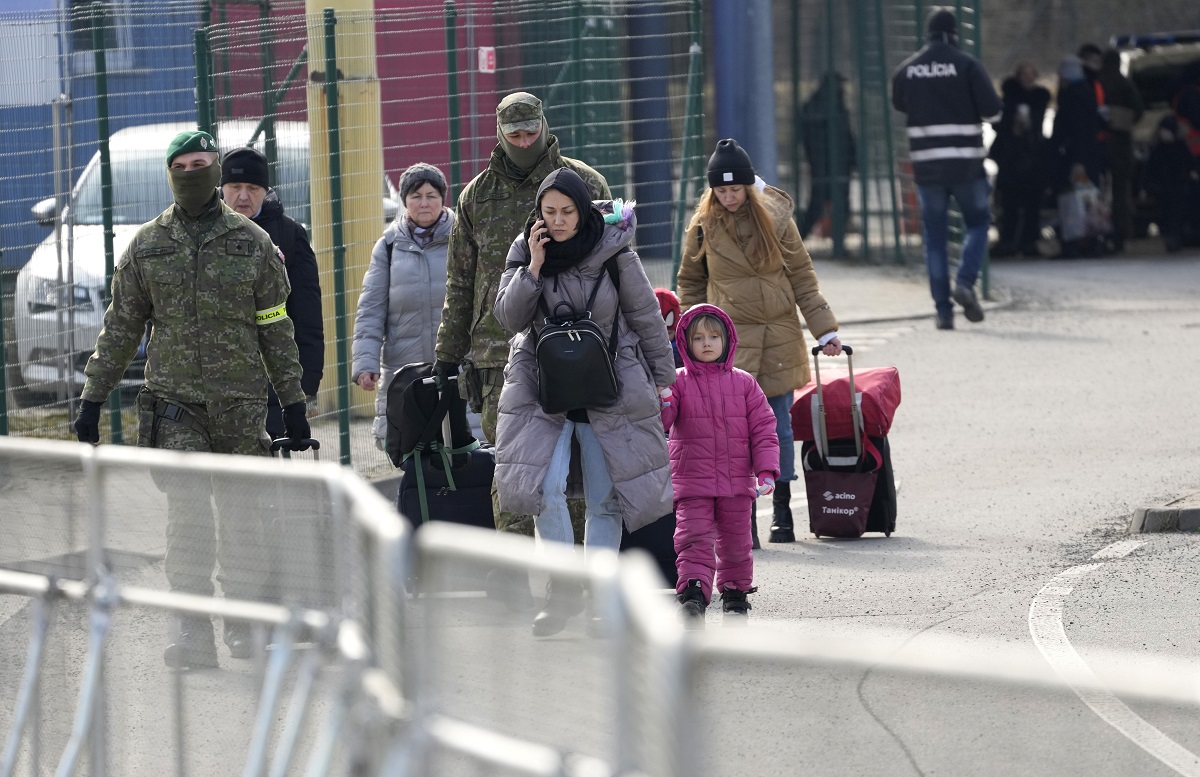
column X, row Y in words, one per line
column 400, row 306
column 630, row 433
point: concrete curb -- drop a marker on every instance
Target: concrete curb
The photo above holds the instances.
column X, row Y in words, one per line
column 1182, row 514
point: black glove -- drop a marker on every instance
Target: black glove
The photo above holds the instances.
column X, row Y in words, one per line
column 444, row 371
column 296, row 424
column 87, row 425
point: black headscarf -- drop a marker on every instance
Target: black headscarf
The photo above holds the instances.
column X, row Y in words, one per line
column 565, row 255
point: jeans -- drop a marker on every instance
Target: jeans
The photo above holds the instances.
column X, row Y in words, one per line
column 972, row 200
column 781, row 406
column 602, row 521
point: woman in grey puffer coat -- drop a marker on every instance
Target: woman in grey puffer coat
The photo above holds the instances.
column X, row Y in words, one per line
column 400, row 306
column 626, row 475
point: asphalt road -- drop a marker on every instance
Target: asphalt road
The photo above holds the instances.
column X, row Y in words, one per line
column 1022, row 446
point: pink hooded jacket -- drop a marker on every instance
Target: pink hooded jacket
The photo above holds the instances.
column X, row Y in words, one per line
column 722, row 431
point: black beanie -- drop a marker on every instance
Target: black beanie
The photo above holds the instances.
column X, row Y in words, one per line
column 941, row 22
column 729, row 164
column 245, row 165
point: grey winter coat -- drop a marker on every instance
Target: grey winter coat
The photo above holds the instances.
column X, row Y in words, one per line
column 630, row 433
column 400, row 306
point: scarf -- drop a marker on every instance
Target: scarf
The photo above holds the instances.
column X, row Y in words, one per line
column 423, row 236
column 570, row 252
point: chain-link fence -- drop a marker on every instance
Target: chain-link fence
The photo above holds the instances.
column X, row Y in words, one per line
column 416, row 82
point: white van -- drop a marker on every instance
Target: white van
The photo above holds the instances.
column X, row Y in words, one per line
column 58, row 303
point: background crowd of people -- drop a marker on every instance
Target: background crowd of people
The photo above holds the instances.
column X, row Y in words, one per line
column 1086, row 168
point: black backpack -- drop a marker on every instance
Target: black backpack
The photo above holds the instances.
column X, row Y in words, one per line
column 575, row 363
column 416, row 410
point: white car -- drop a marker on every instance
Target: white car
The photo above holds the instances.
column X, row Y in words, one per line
column 58, row 303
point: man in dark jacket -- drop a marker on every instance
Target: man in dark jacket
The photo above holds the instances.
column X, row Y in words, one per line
column 1124, row 108
column 1019, row 151
column 829, row 145
column 246, row 187
column 946, row 95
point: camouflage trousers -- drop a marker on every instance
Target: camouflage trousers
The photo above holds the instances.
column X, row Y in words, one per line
column 508, row 522
column 235, row 536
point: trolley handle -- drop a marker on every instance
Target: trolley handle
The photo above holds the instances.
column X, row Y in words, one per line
column 855, row 407
column 286, row 444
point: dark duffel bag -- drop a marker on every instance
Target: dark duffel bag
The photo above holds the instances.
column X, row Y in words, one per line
column 466, row 500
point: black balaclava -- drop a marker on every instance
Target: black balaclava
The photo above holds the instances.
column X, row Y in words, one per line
column 565, row 255
column 194, row 189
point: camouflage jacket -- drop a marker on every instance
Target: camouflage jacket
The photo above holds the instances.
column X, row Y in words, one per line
column 218, row 311
column 491, row 211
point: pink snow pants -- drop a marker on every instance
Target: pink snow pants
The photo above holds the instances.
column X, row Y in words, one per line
column 712, row 534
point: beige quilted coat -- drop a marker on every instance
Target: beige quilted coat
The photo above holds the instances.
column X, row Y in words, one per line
column 762, row 300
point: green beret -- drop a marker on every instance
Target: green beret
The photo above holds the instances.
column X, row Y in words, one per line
column 188, row 141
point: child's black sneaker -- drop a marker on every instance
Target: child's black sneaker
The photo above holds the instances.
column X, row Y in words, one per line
column 692, row 605
column 733, row 602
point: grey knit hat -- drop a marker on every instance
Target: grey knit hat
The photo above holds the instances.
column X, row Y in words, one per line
column 418, row 174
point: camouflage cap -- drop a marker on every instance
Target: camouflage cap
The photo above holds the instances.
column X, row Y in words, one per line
column 519, row 111
column 188, row 141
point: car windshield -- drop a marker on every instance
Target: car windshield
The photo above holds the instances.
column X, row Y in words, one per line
column 141, row 192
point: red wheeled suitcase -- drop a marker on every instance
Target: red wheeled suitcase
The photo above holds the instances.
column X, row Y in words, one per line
column 849, row 481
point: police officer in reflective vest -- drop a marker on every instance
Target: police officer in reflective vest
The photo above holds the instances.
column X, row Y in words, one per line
column 214, row 289
column 946, row 94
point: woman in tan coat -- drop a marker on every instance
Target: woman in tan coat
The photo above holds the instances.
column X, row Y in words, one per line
column 743, row 253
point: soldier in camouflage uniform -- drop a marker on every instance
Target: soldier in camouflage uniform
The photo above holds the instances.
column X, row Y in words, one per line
column 491, row 211
column 214, row 288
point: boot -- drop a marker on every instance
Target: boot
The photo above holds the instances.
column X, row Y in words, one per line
column 754, row 543
column 564, row 598
column 238, row 639
column 193, row 646
column 692, row 605
column 733, row 602
column 510, row 586
column 781, row 524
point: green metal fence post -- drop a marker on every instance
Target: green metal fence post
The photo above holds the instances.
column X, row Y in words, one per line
column 860, row 57
column 985, row 275
column 3, row 364
column 797, row 125
column 576, row 73
column 205, row 120
column 106, row 193
column 452, row 96
column 268, row 65
column 692, row 126
column 837, row 208
column 339, row 247
column 890, row 139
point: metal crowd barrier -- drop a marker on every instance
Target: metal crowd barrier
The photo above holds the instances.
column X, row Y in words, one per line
column 419, row 664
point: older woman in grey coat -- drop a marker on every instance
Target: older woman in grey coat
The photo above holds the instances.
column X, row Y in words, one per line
column 560, row 257
column 404, row 289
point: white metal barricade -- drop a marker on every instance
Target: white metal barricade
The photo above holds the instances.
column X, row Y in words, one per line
column 417, row 665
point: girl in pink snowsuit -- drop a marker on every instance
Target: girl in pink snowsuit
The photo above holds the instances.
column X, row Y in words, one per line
column 724, row 452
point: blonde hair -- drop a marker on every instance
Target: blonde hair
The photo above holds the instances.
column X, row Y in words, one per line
column 764, row 243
